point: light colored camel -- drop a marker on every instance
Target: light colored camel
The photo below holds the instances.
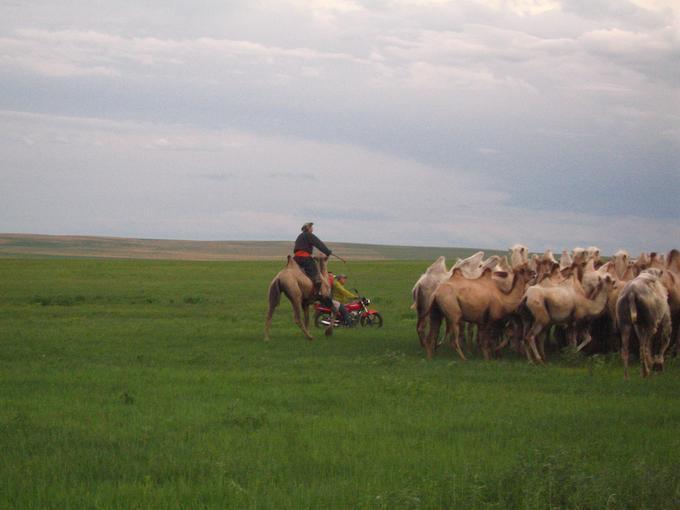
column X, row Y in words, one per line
column 519, row 256
column 565, row 259
column 478, row 301
column 563, row 303
column 299, row 289
column 470, row 267
column 642, row 309
column 424, row 289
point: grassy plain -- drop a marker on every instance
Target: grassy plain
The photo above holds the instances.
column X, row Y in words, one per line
column 146, row 384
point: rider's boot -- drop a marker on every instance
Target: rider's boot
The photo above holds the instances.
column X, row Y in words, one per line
column 345, row 316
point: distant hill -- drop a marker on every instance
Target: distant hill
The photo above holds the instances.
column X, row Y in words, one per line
column 32, row 245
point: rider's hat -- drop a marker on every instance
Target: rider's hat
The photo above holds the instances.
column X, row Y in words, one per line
column 341, row 275
column 306, row 226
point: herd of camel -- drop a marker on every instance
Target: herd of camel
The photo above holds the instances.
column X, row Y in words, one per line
column 593, row 305
column 588, row 304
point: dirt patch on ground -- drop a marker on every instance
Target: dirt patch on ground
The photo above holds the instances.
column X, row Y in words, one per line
column 33, row 245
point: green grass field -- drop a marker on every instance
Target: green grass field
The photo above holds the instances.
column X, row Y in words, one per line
column 146, row 384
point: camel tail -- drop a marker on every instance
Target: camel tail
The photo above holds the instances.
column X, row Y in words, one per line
column 274, row 294
column 632, row 308
column 414, row 296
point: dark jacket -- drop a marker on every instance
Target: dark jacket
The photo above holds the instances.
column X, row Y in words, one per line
column 307, row 241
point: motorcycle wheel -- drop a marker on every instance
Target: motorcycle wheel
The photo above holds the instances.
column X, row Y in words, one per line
column 373, row 320
column 322, row 319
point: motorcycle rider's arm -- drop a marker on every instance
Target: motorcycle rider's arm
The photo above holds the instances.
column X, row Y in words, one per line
column 340, row 290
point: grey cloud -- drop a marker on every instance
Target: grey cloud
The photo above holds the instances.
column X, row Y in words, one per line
column 571, row 110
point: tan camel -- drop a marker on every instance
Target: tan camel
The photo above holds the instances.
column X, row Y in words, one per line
column 563, row 303
column 642, row 309
column 479, row 301
column 298, row 288
column 671, row 280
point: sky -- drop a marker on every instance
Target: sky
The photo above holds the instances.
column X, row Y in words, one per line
column 480, row 123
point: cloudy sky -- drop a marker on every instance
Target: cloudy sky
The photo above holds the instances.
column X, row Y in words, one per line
column 474, row 123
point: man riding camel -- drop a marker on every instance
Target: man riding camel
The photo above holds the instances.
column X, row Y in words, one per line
column 304, row 244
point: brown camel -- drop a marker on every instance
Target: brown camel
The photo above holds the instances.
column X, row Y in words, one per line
column 563, row 303
column 298, row 287
column 479, row 301
column 671, row 280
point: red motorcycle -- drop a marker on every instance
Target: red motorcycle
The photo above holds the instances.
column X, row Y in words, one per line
column 358, row 311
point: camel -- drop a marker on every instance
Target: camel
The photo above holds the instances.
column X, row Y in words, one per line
column 620, row 259
column 519, row 255
column 479, row 301
column 298, row 288
column 503, row 275
column 673, row 261
column 424, row 289
column 562, row 303
column 470, row 267
column 593, row 253
column 565, row 259
column 642, row 309
column 671, row 280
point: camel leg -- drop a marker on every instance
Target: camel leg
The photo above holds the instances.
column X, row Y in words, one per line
column 420, row 329
column 329, row 330
column 503, row 343
column 268, row 321
column 455, row 340
column 645, row 365
column 625, row 354
column 297, row 316
column 587, row 338
column 431, row 340
column 571, row 335
column 486, row 333
column 531, row 342
column 541, row 344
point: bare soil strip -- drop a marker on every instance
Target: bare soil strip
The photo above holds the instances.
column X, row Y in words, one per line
column 35, row 245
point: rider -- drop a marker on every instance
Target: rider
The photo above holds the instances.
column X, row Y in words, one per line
column 304, row 244
column 341, row 295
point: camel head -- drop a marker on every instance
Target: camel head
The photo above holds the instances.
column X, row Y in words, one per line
column 519, row 254
column 579, row 256
column 565, row 259
column 322, row 264
column 593, row 253
column 657, row 260
column 643, row 261
column 621, row 259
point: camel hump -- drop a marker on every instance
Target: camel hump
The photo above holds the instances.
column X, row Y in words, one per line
column 291, row 262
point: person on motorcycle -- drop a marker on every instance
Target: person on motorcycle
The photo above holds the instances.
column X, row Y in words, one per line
column 341, row 295
column 304, row 244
